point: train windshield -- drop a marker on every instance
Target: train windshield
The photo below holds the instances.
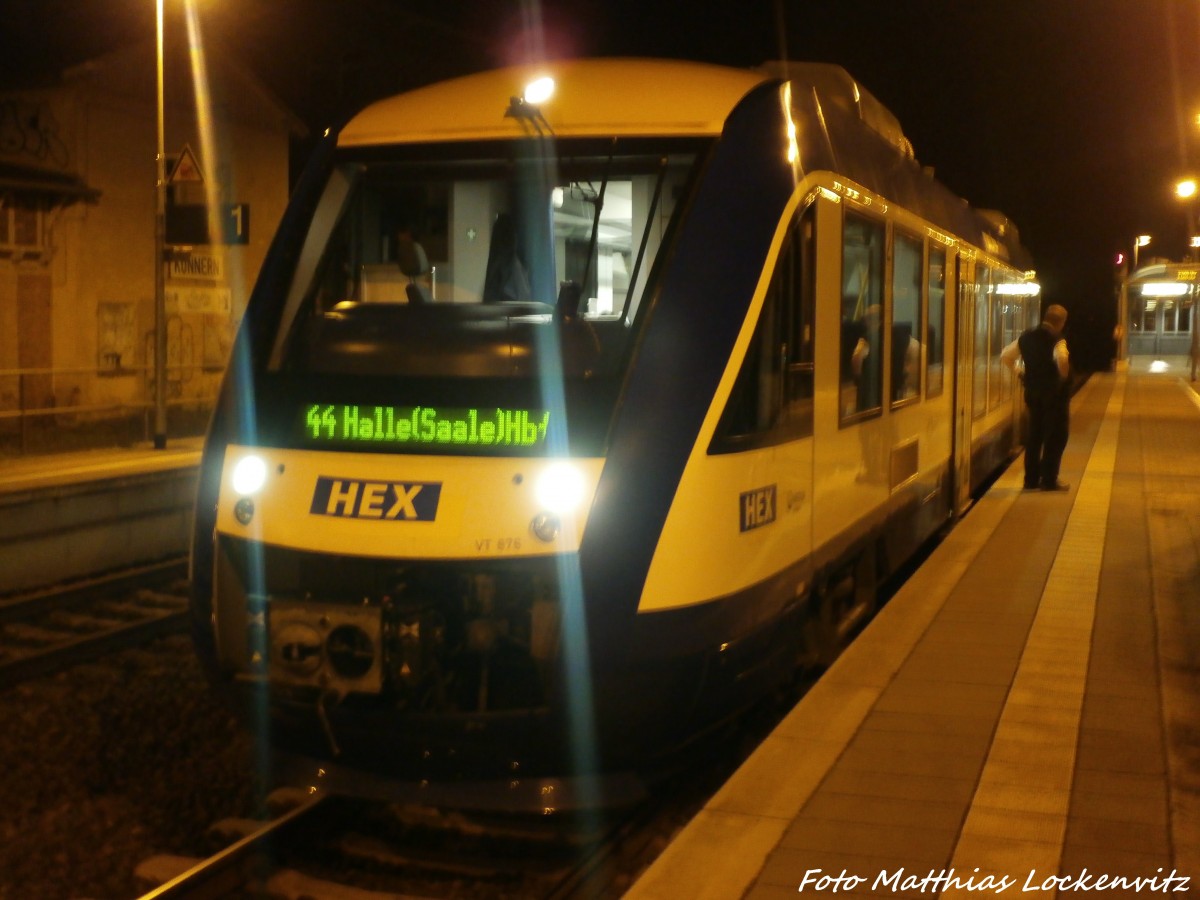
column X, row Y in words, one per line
column 481, row 277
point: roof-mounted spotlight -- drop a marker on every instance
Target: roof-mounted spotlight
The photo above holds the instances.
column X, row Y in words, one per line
column 528, row 105
column 539, row 90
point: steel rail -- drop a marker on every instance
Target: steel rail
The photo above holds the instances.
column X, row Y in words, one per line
column 222, row 874
column 66, row 646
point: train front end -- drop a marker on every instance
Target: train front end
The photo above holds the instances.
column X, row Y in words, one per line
column 414, row 434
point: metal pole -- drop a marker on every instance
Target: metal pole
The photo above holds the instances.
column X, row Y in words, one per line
column 160, row 238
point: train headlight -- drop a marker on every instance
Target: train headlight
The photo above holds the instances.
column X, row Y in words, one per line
column 249, row 475
column 559, row 491
column 545, row 527
column 559, row 488
column 243, row 510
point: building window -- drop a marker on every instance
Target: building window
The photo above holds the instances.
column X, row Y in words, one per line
column 21, row 229
column 116, row 336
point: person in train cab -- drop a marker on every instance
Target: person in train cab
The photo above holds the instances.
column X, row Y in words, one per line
column 506, row 278
column 415, row 265
column 1042, row 354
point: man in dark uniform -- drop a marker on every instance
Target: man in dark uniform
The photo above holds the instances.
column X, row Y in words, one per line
column 1043, row 353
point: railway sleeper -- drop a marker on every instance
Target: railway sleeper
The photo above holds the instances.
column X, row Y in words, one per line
column 24, row 635
column 81, row 623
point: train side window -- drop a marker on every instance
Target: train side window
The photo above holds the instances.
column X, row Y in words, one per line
column 1013, row 316
column 996, row 307
column 861, row 314
column 907, row 258
column 983, row 282
column 799, row 354
column 935, row 340
column 771, row 401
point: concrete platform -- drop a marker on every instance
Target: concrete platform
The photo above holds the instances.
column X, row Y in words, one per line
column 38, row 472
column 75, row 515
column 1023, row 714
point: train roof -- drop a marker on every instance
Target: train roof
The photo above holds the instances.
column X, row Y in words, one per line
column 624, row 97
column 843, row 127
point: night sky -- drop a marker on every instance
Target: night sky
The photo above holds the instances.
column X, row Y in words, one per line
column 1073, row 117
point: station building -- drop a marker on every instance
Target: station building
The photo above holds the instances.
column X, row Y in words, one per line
column 78, row 179
column 1157, row 303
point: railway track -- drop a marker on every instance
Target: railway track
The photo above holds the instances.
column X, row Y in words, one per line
column 46, row 630
column 325, row 846
column 334, row 847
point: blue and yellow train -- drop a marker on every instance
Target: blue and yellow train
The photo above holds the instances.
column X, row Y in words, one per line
column 578, row 406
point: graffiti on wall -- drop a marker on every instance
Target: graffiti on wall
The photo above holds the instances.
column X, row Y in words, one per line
column 28, row 128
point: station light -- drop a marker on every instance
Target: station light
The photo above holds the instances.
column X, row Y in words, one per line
column 1164, row 289
column 1019, row 289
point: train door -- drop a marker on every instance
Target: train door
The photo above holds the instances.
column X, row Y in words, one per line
column 963, row 381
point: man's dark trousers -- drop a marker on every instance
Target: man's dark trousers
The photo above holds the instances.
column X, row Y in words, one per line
column 1049, row 417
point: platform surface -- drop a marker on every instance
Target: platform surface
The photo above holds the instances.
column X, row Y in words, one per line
column 1021, row 719
column 41, row 471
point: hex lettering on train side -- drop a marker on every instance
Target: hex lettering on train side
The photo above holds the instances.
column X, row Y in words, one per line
column 757, row 507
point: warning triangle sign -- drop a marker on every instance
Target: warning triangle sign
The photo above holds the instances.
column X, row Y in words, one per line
column 186, row 169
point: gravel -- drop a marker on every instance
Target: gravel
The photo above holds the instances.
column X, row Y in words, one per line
column 111, row 762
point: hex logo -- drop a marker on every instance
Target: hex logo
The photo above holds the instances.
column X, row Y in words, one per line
column 388, row 501
column 757, row 507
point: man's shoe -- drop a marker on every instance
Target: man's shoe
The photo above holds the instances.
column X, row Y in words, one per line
column 1031, row 486
column 1056, row 486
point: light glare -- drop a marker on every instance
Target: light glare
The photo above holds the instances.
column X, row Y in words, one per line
column 539, row 91
column 1019, row 289
column 1164, row 289
column 559, row 488
column 249, row 475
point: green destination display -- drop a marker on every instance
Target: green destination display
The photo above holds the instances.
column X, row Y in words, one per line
column 340, row 423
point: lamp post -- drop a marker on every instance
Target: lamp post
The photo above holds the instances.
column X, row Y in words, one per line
column 1185, row 190
column 1142, row 240
column 160, row 237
